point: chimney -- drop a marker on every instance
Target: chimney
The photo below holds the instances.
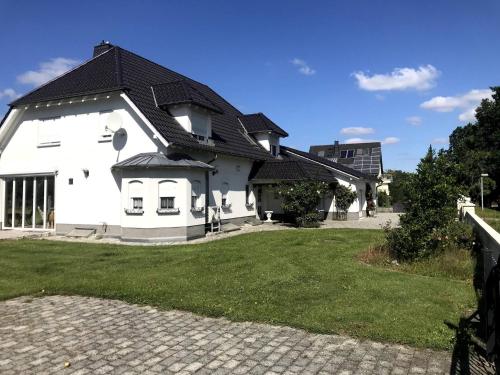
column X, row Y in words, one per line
column 101, row 48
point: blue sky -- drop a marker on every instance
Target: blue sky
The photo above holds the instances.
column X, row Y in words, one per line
column 403, row 72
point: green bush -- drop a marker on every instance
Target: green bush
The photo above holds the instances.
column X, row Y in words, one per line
column 309, row 220
column 383, row 199
column 344, row 197
column 430, row 210
column 300, row 200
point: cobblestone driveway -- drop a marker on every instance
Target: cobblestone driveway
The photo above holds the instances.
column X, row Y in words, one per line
column 37, row 336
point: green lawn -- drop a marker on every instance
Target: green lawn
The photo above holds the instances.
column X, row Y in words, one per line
column 303, row 278
column 492, row 217
column 488, row 213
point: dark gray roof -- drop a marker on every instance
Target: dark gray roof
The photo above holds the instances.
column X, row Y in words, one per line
column 289, row 170
column 258, row 122
column 367, row 156
column 182, row 92
column 159, row 160
column 119, row 69
column 326, row 162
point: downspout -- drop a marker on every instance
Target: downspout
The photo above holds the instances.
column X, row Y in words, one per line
column 207, row 191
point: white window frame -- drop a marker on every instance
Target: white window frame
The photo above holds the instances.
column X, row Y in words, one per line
column 48, row 137
column 196, row 196
column 132, row 196
column 167, row 193
column 224, row 195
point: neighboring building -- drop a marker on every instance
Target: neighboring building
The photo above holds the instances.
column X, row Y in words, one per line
column 364, row 157
column 130, row 149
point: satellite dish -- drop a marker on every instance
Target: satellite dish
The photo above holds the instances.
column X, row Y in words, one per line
column 114, row 122
column 120, row 139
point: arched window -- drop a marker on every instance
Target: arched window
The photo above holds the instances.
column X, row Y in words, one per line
column 166, row 194
column 195, row 194
column 224, row 192
column 135, row 197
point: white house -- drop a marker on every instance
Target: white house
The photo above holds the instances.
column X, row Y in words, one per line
column 130, row 149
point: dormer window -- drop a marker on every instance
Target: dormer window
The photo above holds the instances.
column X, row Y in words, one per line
column 189, row 105
column 346, row 154
column 274, row 150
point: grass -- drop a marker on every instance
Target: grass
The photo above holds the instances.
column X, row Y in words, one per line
column 457, row 264
column 491, row 216
column 488, row 213
column 308, row 278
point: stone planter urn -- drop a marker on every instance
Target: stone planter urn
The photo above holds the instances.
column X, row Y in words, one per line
column 268, row 215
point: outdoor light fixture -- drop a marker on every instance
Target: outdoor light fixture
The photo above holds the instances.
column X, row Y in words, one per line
column 482, row 198
column 86, row 172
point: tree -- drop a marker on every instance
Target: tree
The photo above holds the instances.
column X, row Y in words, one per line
column 344, row 198
column 475, row 149
column 397, row 188
column 300, row 200
column 432, row 194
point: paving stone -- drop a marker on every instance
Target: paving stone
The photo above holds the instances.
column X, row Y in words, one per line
column 97, row 336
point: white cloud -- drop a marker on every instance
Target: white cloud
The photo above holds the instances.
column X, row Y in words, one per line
column 422, row 78
column 440, row 141
column 304, row 68
column 468, row 116
column 47, row 71
column 390, row 141
column 385, row 141
column 9, row 94
column 414, row 120
column 359, row 140
column 467, row 102
column 357, row 130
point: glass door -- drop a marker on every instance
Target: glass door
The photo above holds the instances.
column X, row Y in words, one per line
column 30, row 202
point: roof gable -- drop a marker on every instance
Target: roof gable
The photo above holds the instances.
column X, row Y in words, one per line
column 258, row 122
column 182, row 92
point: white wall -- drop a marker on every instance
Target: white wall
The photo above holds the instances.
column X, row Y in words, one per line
column 150, row 179
column 235, row 172
column 89, row 200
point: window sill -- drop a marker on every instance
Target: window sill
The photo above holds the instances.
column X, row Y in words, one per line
column 197, row 209
column 134, row 211
column 168, row 211
column 49, row 144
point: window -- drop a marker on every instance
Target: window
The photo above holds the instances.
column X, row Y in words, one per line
column 48, row 135
column 167, row 202
column 135, row 194
column 195, row 195
column 167, row 191
column 224, row 192
column 137, row 203
column 274, row 150
column 199, row 123
column 347, row 154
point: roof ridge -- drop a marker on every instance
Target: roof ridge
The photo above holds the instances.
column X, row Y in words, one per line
column 118, row 62
column 161, row 66
column 13, row 103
